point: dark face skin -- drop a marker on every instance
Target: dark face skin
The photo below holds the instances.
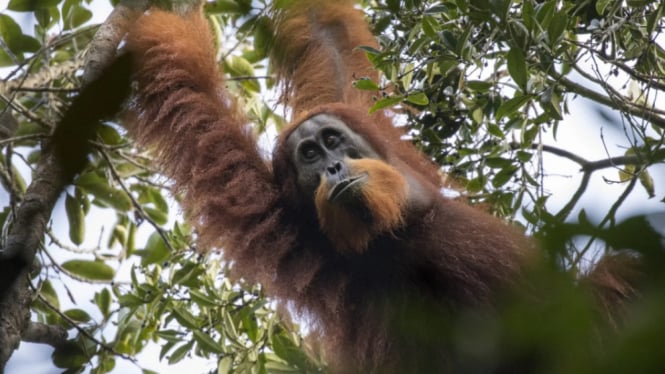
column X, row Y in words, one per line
column 319, row 147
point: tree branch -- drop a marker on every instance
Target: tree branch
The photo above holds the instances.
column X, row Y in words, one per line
column 85, row 332
column 646, row 79
column 102, row 49
column 106, row 84
column 590, row 166
column 565, row 211
column 139, row 209
column 45, row 334
column 632, row 109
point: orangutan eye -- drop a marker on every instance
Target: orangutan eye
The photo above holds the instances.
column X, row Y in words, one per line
column 309, row 152
column 331, row 140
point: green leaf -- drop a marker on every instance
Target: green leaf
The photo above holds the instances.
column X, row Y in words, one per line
column 69, row 355
column 74, row 15
column 524, row 156
column 250, row 324
column 263, row 34
column 155, row 196
column 4, row 213
column 366, row 84
column 103, row 301
column 107, row 195
column 47, row 17
column 285, row 348
column 48, row 292
column 498, row 162
column 229, row 326
column 528, row 15
column 393, row 5
column 118, row 235
column 557, row 27
column 166, row 348
column 477, row 115
column 6, row 59
column 475, row 184
column 239, row 66
column 654, row 18
column 130, row 245
column 369, row 50
column 495, row 130
column 170, row 335
column 155, row 250
column 552, row 104
column 222, row 6
column 385, row 103
column 184, row 317
column 480, row 86
column 156, row 215
column 418, row 98
column 519, row 33
column 188, row 276
column 511, row 106
column 91, row 270
column 108, row 134
column 76, row 218
column 503, row 176
column 78, row 315
column 130, row 300
column 274, row 366
column 14, row 38
column 180, row 353
column 206, row 342
column 108, row 364
column 517, row 67
column 430, row 26
column 637, row 232
column 201, row 299
column 30, row 5
column 601, row 5
column 251, row 85
column 544, row 13
column 224, row 365
column 436, row 9
column 647, row 182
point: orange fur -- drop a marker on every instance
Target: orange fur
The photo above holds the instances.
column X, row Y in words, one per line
column 316, row 57
column 384, row 194
column 181, row 110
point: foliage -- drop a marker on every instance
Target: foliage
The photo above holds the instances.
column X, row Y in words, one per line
column 480, row 82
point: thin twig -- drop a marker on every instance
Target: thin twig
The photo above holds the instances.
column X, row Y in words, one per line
column 60, row 269
column 565, row 211
column 85, row 332
column 591, row 166
column 22, row 137
column 137, row 206
column 646, row 79
column 611, row 215
column 46, row 89
column 54, row 239
column 639, row 111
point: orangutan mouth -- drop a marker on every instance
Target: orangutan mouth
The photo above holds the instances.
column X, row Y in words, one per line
column 345, row 188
